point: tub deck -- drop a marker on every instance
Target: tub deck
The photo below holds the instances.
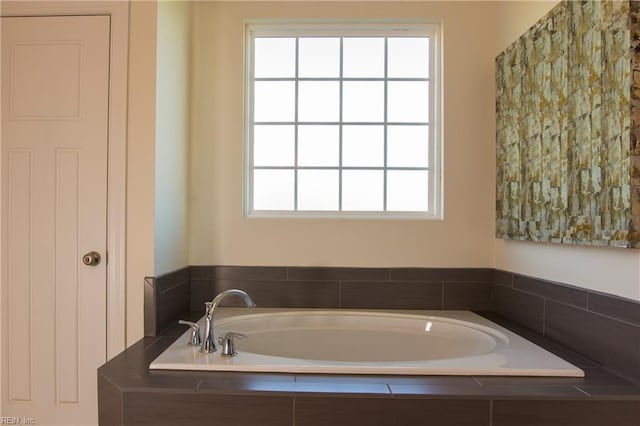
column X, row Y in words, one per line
column 129, row 393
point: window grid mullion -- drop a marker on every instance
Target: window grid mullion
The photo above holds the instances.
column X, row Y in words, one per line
column 252, row 126
column 384, row 171
column 337, row 123
column 295, row 158
column 337, row 168
column 340, row 79
column 340, row 128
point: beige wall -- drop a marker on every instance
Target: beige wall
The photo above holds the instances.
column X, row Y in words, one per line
column 615, row 271
column 515, row 17
column 140, row 160
column 172, row 135
column 219, row 234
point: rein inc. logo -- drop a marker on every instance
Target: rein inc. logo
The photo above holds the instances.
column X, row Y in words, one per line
column 17, row 421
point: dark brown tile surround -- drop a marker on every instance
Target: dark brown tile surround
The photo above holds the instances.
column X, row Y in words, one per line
column 156, row 397
column 602, row 327
column 590, row 327
column 170, row 295
column 569, row 413
column 420, row 288
column 166, row 297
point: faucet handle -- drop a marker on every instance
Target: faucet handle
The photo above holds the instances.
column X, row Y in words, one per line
column 195, row 339
column 228, row 348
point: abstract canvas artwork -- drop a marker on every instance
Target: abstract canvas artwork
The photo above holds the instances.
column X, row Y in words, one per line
column 568, row 128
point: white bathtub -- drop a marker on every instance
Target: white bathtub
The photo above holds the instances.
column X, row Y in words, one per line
column 367, row 342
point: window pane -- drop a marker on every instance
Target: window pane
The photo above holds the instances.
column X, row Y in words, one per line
column 362, row 190
column 363, row 57
column 273, row 145
column 317, row 190
column 363, row 101
column 319, row 57
column 318, row 101
column 407, row 190
column 407, row 146
column 275, row 57
column 363, row 146
column 340, row 118
column 408, row 57
column 274, row 101
column 408, row 101
column 318, row 146
column 273, row 189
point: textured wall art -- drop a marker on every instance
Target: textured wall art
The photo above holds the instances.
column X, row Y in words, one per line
column 568, row 127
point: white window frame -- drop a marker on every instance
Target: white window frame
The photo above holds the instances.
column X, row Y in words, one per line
column 433, row 30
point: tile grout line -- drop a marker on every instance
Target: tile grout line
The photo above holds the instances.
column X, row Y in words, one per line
column 563, row 303
column 491, row 412
column 588, row 309
column 583, row 391
column 172, row 287
column 293, row 408
column 530, row 293
column 549, row 297
column 544, row 317
column 121, row 401
column 586, row 302
column 600, row 314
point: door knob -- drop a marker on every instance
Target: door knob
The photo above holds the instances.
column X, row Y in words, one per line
column 91, row 259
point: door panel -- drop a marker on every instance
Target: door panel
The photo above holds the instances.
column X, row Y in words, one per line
column 18, row 272
column 55, row 83
column 66, row 274
column 50, row 89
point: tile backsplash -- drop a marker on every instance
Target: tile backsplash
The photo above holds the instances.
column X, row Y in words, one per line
column 373, row 288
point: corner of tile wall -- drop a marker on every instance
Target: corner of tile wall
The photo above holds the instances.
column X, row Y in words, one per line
column 166, row 299
column 595, row 325
column 150, row 329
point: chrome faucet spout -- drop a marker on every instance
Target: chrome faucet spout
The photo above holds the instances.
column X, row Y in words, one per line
column 233, row 292
column 208, row 344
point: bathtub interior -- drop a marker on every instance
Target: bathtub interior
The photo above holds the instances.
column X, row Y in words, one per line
column 360, row 336
column 367, row 342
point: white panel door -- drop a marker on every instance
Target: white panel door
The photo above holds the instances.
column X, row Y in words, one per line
column 55, row 85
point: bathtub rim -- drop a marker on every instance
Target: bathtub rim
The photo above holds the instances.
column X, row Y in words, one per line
column 229, row 365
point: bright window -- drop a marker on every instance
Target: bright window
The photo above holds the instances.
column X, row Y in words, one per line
column 343, row 120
